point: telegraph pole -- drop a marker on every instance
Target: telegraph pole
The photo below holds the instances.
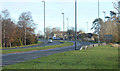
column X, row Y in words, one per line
column 67, row 24
column 75, row 24
column 44, row 21
column 63, row 26
column 98, row 25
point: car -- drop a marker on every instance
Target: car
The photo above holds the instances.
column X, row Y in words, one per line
column 50, row 40
column 58, row 38
column 54, row 38
column 61, row 41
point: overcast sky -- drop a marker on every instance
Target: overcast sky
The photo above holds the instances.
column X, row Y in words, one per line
column 87, row 11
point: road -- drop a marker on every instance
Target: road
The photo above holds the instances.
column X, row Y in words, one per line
column 12, row 58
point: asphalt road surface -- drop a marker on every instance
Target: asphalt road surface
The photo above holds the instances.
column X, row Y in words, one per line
column 12, row 58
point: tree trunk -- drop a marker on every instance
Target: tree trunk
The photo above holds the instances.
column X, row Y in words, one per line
column 10, row 44
column 25, row 35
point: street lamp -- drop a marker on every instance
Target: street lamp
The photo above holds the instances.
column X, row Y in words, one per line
column 44, row 20
column 98, row 25
column 87, row 30
column 63, row 26
column 67, row 24
column 75, row 24
column 87, row 27
column 67, row 28
column 104, row 15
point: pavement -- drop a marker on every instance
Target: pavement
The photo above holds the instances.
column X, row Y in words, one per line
column 12, row 58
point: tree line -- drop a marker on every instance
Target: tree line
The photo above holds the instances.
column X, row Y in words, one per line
column 111, row 26
column 17, row 33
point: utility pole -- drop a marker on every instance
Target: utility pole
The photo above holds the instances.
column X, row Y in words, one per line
column 87, row 31
column 63, row 26
column 75, row 24
column 44, row 21
column 87, row 27
column 67, row 24
column 98, row 25
column 67, row 29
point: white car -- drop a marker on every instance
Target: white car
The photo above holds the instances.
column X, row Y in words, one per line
column 50, row 40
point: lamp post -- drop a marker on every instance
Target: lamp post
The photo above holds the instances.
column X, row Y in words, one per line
column 67, row 28
column 87, row 27
column 63, row 26
column 98, row 24
column 104, row 15
column 75, row 24
column 44, row 20
column 87, row 31
column 67, row 24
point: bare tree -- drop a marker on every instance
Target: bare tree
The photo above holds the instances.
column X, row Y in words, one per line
column 5, row 15
column 10, row 32
column 17, row 34
column 25, row 20
column 71, row 33
column 48, row 32
column 117, row 7
column 55, row 30
column 108, row 28
column 96, row 25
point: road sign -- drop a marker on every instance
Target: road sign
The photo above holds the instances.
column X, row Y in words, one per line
column 108, row 38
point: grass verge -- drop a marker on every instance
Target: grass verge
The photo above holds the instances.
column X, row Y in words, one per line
column 39, row 42
column 101, row 57
column 36, row 48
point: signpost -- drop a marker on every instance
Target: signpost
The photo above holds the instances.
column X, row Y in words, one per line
column 108, row 38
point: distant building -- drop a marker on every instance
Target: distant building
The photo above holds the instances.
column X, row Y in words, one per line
column 59, row 34
column 80, row 35
column 87, row 36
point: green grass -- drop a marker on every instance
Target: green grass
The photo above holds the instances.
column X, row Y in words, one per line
column 39, row 42
column 36, row 48
column 102, row 57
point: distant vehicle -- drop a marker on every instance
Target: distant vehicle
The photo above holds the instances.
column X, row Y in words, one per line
column 57, row 38
column 61, row 41
column 54, row 38
column 50, row 40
